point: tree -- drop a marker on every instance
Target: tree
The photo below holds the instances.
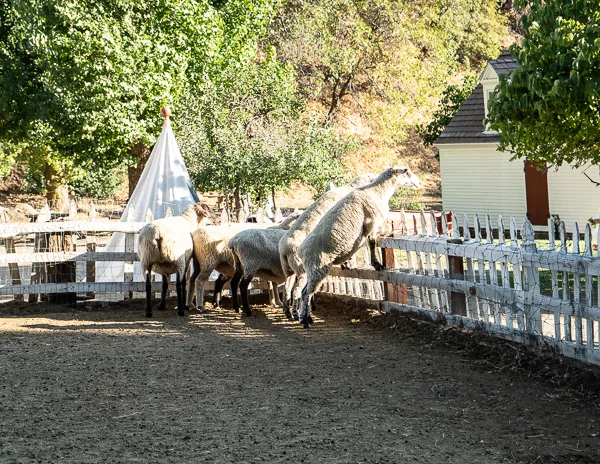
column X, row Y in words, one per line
column 82, row 81
column 548, row 108
column 452, row 99
column 391, row 59
column 248, row 134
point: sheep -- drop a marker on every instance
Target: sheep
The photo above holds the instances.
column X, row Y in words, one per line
column 165, row 247
column 345, row 227
column 212, row 253
column 291, row 240
column 256, row 253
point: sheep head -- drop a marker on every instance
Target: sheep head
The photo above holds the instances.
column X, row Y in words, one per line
column 408, row 178
column 198, row 214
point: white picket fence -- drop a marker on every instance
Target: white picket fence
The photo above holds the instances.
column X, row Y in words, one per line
column 503, row 282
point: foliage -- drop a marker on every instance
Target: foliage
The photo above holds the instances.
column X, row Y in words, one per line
column 82, row 81
column 548, row 108
column 408, row 199
column 452, row 99
column 248, row 134
column 389, row 58
column 97, row 183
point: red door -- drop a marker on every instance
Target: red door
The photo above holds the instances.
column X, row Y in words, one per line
column 536, row 190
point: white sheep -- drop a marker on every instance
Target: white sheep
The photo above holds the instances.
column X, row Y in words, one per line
column 165, row 247
column 256, row 253
column 345, row 227
column 211, row 252
column 291, row 240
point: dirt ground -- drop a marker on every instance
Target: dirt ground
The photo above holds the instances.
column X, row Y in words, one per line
column 91, row 384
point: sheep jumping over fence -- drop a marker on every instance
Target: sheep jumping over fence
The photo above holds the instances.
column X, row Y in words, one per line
column 165, row 247
column 212, row 253
column 344, row 228
column 291, row 240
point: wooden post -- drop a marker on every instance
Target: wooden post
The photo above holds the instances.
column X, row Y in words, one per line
column 38, row 270
column 90, row 266
column 15, row 275
column 393, row 291
column 60, row 272
column 130, row 248
column 531, row 285
column 458, row 300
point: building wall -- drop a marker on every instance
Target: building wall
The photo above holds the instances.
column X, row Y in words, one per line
column 572, row 196
column 478, row 179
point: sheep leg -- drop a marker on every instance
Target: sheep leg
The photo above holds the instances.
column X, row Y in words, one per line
column 148, row 295
column 180, row 286
column 245, row 282
column 235, row 280
column 192, row 290
column 163, row 293
column 300, row 284
column 289, row 285
column 274, row 299
column 314, row 278
column 374, row 262
column 219, row 284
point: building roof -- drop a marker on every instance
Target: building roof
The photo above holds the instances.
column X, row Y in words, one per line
column 504, row 64
column 467, row 124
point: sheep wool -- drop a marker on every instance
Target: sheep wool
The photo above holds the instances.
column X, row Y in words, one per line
column 345, row 227
column 291, row 240
column 165, row 247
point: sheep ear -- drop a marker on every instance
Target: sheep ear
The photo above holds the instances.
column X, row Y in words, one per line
column 169, row 212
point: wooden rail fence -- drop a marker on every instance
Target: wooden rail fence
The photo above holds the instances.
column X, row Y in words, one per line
column 482, row 275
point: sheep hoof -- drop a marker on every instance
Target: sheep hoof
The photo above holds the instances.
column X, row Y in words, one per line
column 181, row 312
column 310, row 319
column 305, row 323
column 247, row 313
column 295, row 316
column 287, row 313
column 148, row 313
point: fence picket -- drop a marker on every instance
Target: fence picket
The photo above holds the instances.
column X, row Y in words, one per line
column 565, row 282
column 493, row 269
column 589, row 327
column 577, row 289
column 472, row 301
column 428, row 265
column 554, row 276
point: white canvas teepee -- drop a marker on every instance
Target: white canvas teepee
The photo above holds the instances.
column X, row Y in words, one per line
column 164, row 184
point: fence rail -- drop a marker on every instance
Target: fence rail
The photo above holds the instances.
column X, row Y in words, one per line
column 509, row 284
column 443, row 266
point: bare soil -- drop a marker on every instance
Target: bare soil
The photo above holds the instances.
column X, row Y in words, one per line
column 94, row 383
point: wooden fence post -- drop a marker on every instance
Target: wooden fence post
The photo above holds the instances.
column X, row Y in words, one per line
column 130, row 248
column 393, row 291
column 458, row 300
column 90, row 266
column 531, row 286
column 15, row 275
column 38, row 270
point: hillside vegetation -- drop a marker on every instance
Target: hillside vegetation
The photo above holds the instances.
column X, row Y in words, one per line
column 265, row 94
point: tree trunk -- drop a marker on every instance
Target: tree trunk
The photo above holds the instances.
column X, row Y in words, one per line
column 237, row 211
column 57, row 192
column 142, row 153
